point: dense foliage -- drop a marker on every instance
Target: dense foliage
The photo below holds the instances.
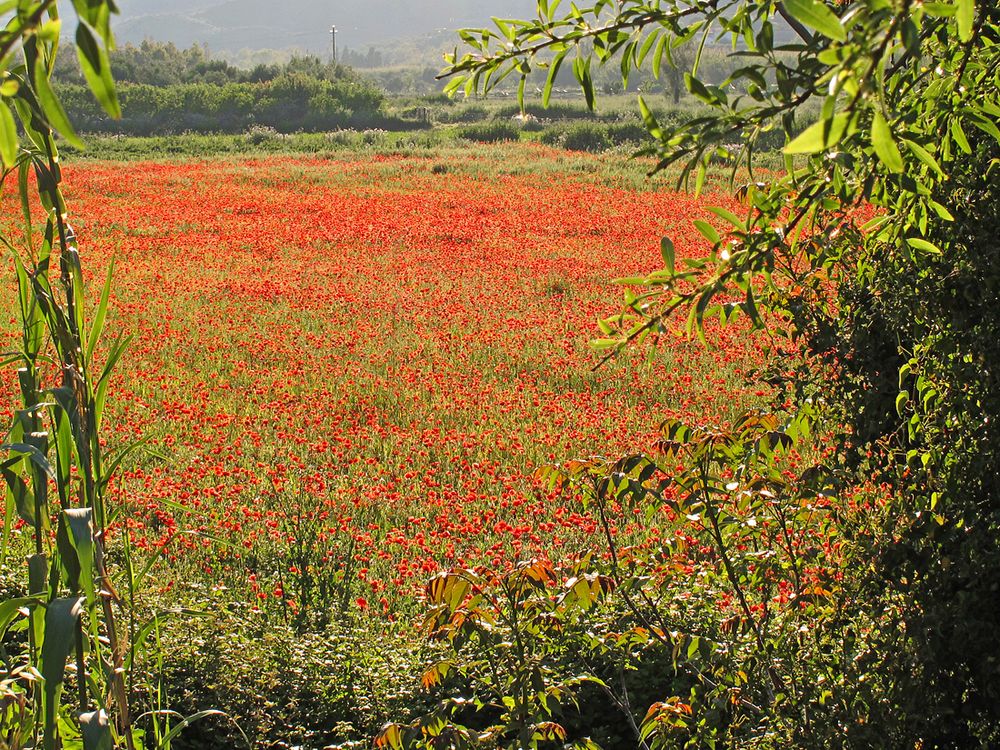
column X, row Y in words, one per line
column 820, row 573
column 166, row 90
column 855, row 600
column 164, row 64
column 288, row 103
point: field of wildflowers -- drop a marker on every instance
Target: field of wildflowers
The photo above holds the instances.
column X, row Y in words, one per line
column 360, row 482
column 348, row 370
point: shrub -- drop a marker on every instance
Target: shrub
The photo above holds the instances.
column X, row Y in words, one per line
column 465, row 113
column 587, row 136
column 258, row 134
column 629, row 132
column 286, row 688
column 868, row 620
column 287, row 103
column 490, row 132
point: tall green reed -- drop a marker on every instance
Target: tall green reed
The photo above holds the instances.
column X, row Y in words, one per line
column 74, row 651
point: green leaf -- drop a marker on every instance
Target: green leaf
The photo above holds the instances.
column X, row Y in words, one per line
column 696, row 64
column 505, row 28
column 188, row 721
column 20, row 497
column 600, row 344
column 81, row 536
column 820, row 136
column 727, row 215
column 817, row 15
column 884, row 144
column 51, row 108
column 649, row 120
column 990, row 107
column 38, row 569
column 11, row 608
column 647, row 45
column 959, row 135
column 924, row 155
column 97, row 69
column 693, row 645
column 115, row 352
column 48, row 31
column 111, row 466
column 66, row 418
column 24, row 193
column 8, row 137
column 942, row 211
column 96, row 730
column 928, row 397
column 36, row 456
column 658, row 54
column 699, row 178
column 986, row 125
column 581, row 70
column 707, row 231
column 453, row 85
column 964, row 17
column 904, row 374
column 941, row 10
column 102, row 310
column 551, row 79
column 698, row 89
column 61, row 618
column 667, row 251
column 923, row 245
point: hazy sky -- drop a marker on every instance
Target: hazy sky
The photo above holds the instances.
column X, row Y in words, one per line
column 269, row 24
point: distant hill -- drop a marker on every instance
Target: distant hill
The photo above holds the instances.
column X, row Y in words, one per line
column 233, row 25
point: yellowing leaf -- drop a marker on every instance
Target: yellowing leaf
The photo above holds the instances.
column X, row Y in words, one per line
column 8, row 137
column 820, row 136
column 390, row 737
column 884, row 144
column 965, row 15
column 816, row 15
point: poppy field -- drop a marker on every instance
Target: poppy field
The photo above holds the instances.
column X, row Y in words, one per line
column 482, row 431
column 347, row 373
column 348, row 370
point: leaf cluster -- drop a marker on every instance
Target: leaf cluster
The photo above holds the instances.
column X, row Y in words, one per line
column 868, row 263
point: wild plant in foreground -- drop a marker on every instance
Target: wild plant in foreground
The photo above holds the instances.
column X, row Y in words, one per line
column 67, row 661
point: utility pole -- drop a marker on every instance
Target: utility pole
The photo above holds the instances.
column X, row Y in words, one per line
column 333, row 37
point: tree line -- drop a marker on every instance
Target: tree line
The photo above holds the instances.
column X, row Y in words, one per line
column 164, row 89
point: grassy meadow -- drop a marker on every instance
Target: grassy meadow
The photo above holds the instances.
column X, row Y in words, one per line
column 347, row 415
column 348, row 368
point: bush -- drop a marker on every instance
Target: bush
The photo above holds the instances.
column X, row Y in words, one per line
column 287, row 103
column 467, row 113
column 595, row 136
column 490, row 132
column 258, row 134
column 587, row 136
column 628, row 132
column 848, row 595
column 284, row 688
column 590, row 136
